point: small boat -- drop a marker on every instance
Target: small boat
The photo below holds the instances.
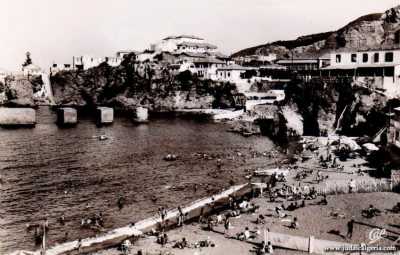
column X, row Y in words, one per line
column 103, row 137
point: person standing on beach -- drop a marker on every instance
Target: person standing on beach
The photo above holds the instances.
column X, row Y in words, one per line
column 226, row 226
column 350, row 227
column 219, row 164
column 121, row 202
column 352, row 186
column 79, row 245
column 180, row 217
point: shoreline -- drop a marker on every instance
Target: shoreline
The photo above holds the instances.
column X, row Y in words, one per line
column 115, row 237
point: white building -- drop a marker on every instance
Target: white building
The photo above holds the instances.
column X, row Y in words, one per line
column 262, row 59
column 232, row 73
column 31, row 70
column 183, row 43
column 3, row 74
column 235, row 74
column 379, row 69
column 86, row 62
column 55, row 68
column 207, row 68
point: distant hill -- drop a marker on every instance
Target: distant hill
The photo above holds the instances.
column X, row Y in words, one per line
column 371, row 31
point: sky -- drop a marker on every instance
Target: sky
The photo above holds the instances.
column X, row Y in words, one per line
column 53, row 30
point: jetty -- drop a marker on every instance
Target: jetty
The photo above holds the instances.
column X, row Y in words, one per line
column 116, row 237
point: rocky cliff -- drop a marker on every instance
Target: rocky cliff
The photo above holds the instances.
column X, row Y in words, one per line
column 132, row 84
column 371, row 31
column 337, row 106
column 23, row 91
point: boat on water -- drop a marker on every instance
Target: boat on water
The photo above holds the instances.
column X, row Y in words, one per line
column 103, row 138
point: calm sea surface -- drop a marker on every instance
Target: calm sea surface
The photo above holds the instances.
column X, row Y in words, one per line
column 49, row 172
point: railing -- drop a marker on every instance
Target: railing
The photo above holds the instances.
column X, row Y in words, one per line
column 342, row 187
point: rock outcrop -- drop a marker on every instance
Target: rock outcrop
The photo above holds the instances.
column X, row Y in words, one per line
column 23, row 91
column 18, row 92
column 127, row 88
column 340, row 106
column 378, row 30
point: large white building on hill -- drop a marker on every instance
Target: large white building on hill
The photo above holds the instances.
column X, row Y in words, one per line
column 183, row 43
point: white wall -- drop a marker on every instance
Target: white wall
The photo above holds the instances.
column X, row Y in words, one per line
column 346, row 58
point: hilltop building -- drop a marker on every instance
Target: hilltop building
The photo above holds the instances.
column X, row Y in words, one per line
column 183, row 43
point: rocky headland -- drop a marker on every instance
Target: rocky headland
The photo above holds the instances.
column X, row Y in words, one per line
column 131, row 85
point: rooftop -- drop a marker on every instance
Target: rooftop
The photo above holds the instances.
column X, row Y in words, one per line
column 273, row 66
column 296, row 61
column 199, row 45
column 194, row 55
column 357, row 66
column 236, row 67
column 183, row 36
column 395, row 48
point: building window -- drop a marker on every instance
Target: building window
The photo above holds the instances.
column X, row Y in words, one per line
column 354, row 58
column 365, row 57
column 376, row 57
column 389, row 57
column 338, row 58
column 229, row 74
column 397, row 37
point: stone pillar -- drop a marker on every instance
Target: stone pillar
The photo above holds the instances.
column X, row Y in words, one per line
column 141, row 114
column 67, row 116
column 17, row 117
column 104, row 115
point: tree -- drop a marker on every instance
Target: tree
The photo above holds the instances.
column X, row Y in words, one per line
column 28, row 60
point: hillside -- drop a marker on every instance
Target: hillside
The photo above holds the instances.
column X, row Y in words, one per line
column 367, row 32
